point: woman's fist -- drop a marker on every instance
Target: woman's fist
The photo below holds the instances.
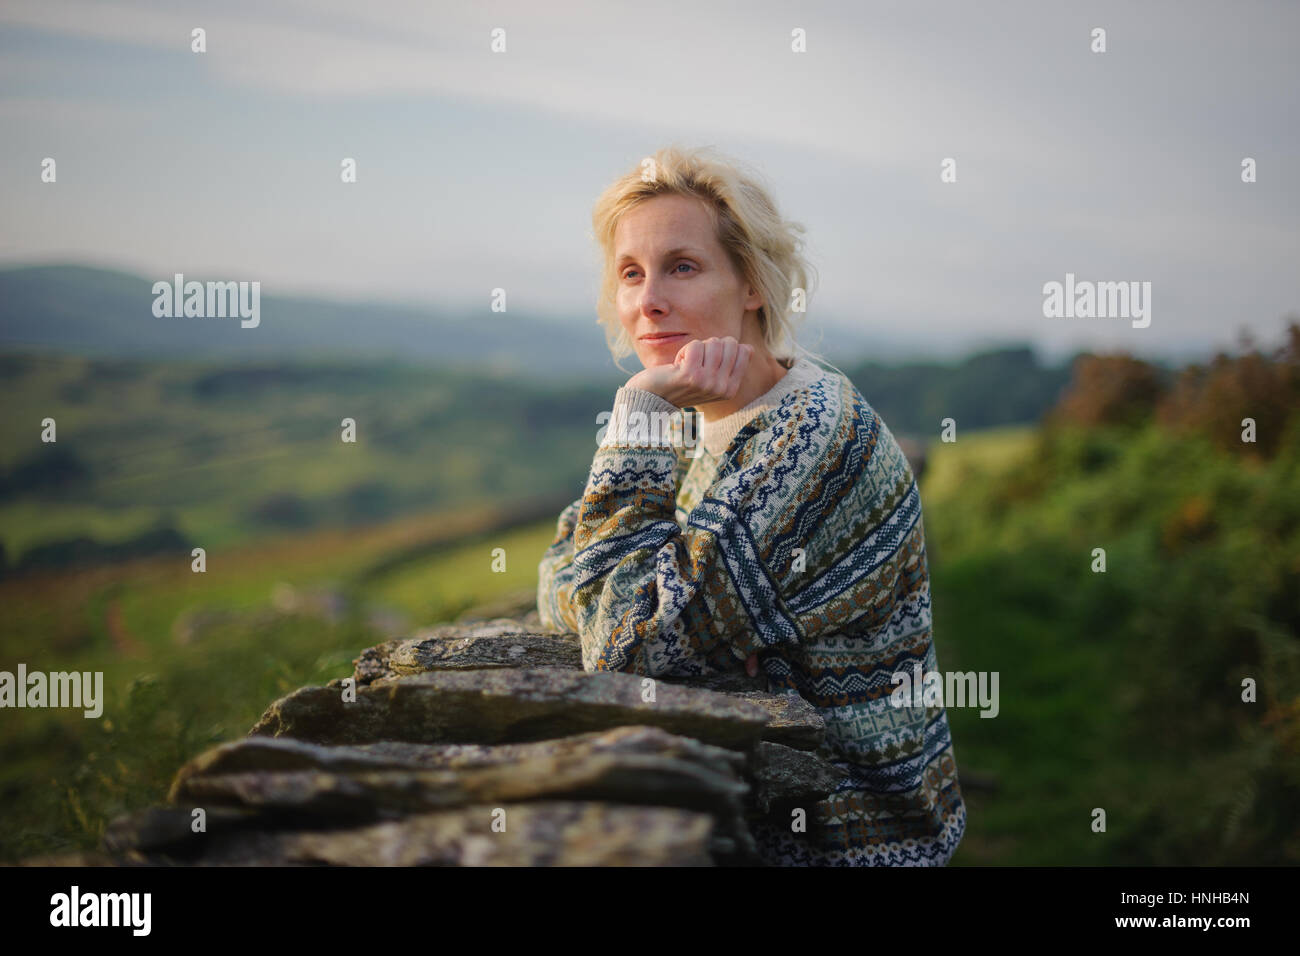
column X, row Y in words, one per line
column 704, row 371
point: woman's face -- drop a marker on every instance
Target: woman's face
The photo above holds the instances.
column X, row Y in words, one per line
column 675, row 281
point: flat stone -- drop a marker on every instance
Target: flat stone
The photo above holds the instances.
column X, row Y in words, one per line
column 372, row 664
column 285, row 753
column 506, row 643
column 725, row 681
column 501, row 642
column 295, row 781
column 517, row 650
column 622, row 778
column 784, row 777
column 509, row 706
column 556, row 833
column 792, row 721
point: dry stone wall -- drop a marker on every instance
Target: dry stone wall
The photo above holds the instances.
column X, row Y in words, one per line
column 485, row 743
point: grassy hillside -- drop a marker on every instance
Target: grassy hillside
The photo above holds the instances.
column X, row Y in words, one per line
column 1123, row 689
column 221, row 455
column 106, row 313
column 156, row 456
column 1119, row 690
column 192, row 659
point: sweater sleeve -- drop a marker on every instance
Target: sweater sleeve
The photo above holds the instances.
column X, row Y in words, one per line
column 644, row 594
column 555, row 575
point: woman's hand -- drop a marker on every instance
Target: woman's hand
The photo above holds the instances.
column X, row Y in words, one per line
column 704, row 371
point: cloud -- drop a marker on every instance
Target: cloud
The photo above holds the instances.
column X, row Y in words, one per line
column 1067, row 160
column 864, row 90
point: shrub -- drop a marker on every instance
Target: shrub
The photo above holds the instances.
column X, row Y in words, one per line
column 1213, row 400
column 1109, row 390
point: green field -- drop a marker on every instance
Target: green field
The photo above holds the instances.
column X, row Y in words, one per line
column 221, row 456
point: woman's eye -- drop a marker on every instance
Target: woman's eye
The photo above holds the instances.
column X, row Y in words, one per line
column 631, row 272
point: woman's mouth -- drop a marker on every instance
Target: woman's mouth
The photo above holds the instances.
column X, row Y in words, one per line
column 668, row 338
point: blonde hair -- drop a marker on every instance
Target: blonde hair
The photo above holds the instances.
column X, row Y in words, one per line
column 765, row 249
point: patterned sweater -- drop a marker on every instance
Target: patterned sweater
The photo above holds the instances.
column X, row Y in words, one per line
column 792, row 530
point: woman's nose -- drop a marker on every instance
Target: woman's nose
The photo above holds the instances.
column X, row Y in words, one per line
column 652, row 300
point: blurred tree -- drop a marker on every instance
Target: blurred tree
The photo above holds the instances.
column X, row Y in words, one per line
column 1109, row 390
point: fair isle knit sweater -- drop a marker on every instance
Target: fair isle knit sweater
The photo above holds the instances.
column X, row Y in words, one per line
column 792, row 530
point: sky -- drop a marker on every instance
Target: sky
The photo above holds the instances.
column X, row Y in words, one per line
column 478, row 170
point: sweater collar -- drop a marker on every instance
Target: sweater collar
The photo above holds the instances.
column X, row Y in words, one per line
column 715, row 436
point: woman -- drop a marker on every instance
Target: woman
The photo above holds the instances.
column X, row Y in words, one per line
column 789, row 539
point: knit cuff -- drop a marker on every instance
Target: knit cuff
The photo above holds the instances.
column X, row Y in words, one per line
column 640, row 418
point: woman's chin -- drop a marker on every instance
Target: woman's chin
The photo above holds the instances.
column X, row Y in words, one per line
column 663, row 354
